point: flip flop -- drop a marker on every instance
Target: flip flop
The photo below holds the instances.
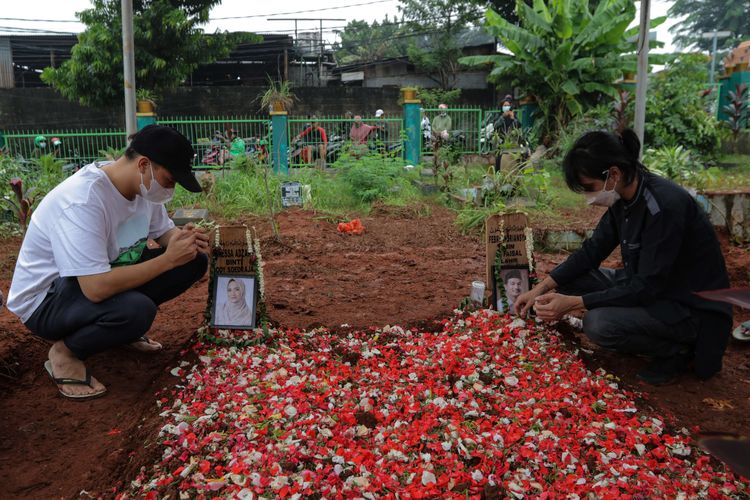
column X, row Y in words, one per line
column 140, row 345
column 73, row 381
column 742, row 332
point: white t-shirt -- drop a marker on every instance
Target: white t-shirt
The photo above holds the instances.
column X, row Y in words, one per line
column 82, row 227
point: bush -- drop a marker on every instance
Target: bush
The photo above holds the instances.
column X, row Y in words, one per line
column 677, row 108
column 375, row 178
column 679, row 165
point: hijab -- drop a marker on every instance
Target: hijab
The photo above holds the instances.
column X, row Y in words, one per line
column 237, row 314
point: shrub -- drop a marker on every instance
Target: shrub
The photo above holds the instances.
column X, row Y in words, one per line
column 677, row 110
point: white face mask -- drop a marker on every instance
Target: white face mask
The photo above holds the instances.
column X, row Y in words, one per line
column 604, row 198
column 506, row 109
column 156, row 193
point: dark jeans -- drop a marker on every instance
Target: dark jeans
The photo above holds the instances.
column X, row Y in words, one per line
column 88, row 328
column 631, row 330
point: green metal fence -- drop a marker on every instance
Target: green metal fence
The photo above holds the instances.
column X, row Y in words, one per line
column 375, row 135
column 465, row 126
column 76, row 146
column 216, row 139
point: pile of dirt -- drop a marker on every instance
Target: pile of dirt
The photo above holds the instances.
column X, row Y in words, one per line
column 405, row 269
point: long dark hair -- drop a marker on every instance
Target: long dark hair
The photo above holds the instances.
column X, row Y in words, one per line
column 594, row 152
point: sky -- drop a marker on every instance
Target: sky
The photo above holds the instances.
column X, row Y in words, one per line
column 368, row 10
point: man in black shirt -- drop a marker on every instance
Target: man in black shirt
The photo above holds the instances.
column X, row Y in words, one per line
column 669, row 251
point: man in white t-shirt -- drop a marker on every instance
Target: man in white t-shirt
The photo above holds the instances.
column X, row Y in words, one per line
column 85, row 278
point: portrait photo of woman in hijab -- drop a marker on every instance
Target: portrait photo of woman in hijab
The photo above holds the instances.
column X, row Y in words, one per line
column 234, row 302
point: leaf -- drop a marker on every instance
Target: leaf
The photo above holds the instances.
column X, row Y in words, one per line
column 562, row 23
column 513, row 37
column 570, row 87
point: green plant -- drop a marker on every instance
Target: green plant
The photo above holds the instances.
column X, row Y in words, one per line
column 111, row 154
column 146, row 95
column 50, row 172
column 23, row 205
column 677, row 112
column 737, row 110
column 563, row 54
column 278, row 94
column 678, row 164
column 375, row 179
column 431, row 98
column 621, row 111
column 243, row 163
column 471, row 219
column 521, row 180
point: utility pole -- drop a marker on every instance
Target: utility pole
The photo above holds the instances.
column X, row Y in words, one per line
column 642, row 82
column 320, row 20
column 128, row 63
column 715, row 35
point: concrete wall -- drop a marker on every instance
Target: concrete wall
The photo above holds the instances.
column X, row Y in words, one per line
column 43, row 108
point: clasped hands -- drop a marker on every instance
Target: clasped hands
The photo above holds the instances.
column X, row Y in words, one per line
column 550, row 306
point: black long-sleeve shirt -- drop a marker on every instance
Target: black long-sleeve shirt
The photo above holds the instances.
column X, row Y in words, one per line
column 669, row 250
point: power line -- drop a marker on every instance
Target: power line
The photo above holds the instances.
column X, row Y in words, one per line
column 302, row 11
column 25, row 19
column 271, row 14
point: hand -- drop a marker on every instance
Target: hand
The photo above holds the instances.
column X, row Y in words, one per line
column 525, row 301
column 201, row 237
column 182, row 248
column 553, row 306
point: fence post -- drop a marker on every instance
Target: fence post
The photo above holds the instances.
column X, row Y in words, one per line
column 144, row 119
column 280, row 141
column 411, row 126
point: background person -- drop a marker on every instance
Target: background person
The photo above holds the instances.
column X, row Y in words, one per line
column 85, row 279
column 315, row 140
column 503, row 126
column 669, row 250
column 441, row 124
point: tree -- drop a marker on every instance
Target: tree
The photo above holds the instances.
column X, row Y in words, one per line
column 438, row 24
column 677, row 108
column 365, row 42
column 169, row 45
column 703, row 16
column 563, row 54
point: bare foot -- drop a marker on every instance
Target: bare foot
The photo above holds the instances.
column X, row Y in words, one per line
column 66, row 365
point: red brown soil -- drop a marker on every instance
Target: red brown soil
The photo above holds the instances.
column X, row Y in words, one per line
column 404, row 270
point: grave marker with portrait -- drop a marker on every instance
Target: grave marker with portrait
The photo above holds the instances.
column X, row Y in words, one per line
column 235, row 281
column 509, row 242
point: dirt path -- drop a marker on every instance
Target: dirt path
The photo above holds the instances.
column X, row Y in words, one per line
column 406, row 269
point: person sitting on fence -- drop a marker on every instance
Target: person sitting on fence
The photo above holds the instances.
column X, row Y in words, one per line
column 669, row 250
column 316, row 142
column 85, row 278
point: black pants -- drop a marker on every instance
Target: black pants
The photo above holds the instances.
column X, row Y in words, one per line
column 88, row 328
column 631, row 330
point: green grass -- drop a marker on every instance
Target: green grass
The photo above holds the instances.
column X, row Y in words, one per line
column 735, row 177
column 350, row 189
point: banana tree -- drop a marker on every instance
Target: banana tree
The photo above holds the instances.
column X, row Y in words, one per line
column 563, row 54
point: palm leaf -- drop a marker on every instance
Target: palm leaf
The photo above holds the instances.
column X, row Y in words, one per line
column 516, row 39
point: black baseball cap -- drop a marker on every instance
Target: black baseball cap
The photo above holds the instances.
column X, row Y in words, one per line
column 170, row 149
